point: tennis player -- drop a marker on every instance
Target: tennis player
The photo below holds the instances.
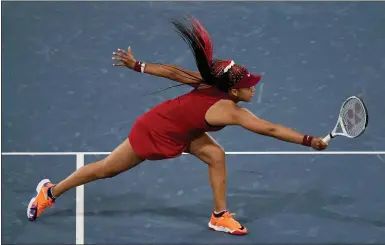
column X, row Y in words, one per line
column 182, row 125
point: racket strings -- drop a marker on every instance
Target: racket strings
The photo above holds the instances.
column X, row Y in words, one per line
column 353, row 116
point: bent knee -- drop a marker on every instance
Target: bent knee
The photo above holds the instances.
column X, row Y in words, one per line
column 216, row 156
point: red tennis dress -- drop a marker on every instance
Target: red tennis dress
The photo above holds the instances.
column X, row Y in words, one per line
column 167, row 129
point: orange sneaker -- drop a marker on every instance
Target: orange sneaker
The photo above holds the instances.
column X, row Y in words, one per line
column 41, row 201
column 226, row 223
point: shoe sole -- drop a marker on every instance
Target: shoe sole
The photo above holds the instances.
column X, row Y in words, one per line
column 226, row 230
column 38, row 188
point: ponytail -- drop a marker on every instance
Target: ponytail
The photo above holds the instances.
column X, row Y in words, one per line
column 223, row 74
column 199, row 41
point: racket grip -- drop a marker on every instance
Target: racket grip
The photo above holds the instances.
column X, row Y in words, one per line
column 327, row 138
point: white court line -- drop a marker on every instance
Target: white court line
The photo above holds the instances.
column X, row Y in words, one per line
column 227, row 153
column 80, row 204
column 80, row 163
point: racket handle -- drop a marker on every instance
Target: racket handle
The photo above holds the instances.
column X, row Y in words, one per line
column 327, row 138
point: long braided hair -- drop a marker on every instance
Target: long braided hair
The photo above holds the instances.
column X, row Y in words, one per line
column 213, row 71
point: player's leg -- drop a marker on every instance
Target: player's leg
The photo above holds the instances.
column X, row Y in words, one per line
column 121, row 159
column 209, row 151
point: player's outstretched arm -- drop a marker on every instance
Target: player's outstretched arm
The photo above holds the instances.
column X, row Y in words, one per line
column 172, row 72
column 249, row 121
column 228, row 113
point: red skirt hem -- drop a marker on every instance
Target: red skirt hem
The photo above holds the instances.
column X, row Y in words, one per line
column 148, row 145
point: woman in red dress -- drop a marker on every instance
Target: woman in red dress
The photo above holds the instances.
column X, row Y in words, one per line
column 182, row 125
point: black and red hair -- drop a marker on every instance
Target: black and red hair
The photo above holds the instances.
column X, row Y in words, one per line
column 224, row 74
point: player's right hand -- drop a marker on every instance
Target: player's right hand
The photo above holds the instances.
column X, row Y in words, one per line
column 318, row 144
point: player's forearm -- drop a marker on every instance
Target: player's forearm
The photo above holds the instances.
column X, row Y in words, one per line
column 173, row 72
column 286, row 134
column 159, row 70
column 246, row 119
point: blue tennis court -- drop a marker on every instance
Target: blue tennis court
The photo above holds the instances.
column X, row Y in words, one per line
column 61, row 94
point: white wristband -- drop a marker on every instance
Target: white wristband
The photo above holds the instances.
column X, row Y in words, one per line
column 142, row 66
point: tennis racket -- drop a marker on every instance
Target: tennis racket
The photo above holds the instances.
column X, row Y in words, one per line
column 352, row 120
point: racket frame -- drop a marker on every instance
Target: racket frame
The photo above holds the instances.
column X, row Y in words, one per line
column 341, row 124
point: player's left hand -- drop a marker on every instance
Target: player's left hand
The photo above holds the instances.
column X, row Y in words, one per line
column 125, row 58
column 318, row 144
